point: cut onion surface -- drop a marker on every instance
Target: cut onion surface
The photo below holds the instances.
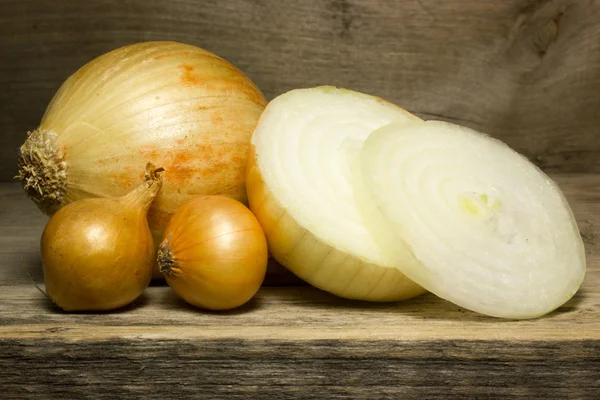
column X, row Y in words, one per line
column 492, row 232
column 304, row 186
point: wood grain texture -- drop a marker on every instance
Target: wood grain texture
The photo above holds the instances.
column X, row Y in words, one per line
column 525, row 71
column 315, row 369
column 291, row 342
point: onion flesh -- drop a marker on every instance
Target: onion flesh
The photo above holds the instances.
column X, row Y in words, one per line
column 492, row 232
column 302, row 187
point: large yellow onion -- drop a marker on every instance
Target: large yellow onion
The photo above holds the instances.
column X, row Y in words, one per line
column 168, row 103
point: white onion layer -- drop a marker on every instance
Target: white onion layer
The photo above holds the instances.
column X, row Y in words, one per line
column 307, row 148
column 493, row 233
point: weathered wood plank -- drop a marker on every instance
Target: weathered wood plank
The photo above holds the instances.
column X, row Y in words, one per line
column 292, row 342
column 292, row 313
column 313, row 369
column 317, row 313
column 295, row 342
column 525, row 71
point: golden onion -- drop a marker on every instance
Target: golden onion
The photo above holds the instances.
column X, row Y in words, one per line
column 214, row 254
column 98, row 254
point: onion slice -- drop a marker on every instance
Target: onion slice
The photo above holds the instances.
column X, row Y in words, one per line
column 301, row 175
column 492, row 232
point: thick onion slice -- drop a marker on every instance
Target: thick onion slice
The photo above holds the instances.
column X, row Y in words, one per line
column 304, row 160
column 493, row 233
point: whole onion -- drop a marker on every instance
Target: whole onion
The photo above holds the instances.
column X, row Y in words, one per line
column 98, row 254
column 214, row 253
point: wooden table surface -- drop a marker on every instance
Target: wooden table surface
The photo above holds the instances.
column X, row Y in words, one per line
column 290, row 341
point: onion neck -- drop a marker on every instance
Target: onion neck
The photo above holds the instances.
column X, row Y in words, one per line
column 165, row 260
column 142, row 196
column 43, row 170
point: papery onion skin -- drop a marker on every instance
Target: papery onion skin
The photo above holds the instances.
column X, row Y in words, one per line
column 170, row 103
column 315, row 260
column 214, row 253
column 98, row 254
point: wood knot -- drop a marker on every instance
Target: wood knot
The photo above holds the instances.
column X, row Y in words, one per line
column 546, row 34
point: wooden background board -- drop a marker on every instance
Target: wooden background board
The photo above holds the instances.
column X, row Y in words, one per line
column 526, row 71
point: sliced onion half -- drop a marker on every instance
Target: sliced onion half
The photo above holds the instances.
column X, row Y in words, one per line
column 301, row 182
column 492, row 232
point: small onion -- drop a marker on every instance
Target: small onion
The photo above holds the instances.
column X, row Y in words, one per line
column 214, row 253
column 170, row 103
column 98, row 254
